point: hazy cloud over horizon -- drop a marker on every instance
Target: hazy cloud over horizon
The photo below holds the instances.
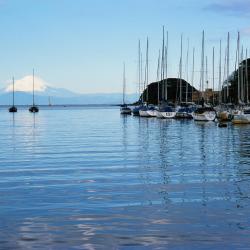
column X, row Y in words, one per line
column 232, row 7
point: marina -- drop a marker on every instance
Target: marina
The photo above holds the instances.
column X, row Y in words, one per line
column 230, row 102
column 132, row 129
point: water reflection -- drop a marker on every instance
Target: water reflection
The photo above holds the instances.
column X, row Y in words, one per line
column 121, row 182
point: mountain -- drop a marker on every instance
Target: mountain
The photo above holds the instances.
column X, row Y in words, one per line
column 58, row 96
column 173, row 90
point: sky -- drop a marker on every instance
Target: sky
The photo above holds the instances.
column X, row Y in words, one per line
column 81, row 44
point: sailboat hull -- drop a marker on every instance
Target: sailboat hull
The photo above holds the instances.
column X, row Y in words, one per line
column 152, row 113
column 33, row 109
column 183, row 115
column 12, row 109
column 168, row 115
column 159, row 114
column 135, row 111
column 241, row 119
column 206, row 116
column 125, row 111
column 143, row 113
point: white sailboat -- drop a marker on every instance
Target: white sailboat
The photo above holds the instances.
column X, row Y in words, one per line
column 124, row 109
column 242, row 116
column 164, row 110
column 204, row 113
column 225, row 112
column 136, row 109
column 143, row 112
column 185, row 109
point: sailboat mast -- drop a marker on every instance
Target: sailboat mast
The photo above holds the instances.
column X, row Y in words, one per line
column 187, row 70
column 224, row 77
column 247, row 78
column 163, row 62
column 181, row 72
column 202, row 65
column 158, row 78
column 33, row 88
column 238, row 53
column 193, row 75
column 141, row 76
column 228, row 39
column 206, row 81
column 124, row 84
column 147, row 69
column 220, row 99
column 13, row 94
column 241, row 75
column 213, row 76
column 166, row 58
column 139, row 68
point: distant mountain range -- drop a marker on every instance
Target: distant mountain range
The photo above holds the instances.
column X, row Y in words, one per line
column 57, row 96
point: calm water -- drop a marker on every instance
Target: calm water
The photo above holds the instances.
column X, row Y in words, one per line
column 89, row 178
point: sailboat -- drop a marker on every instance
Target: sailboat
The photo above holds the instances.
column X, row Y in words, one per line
column 204, row 113
column 143, row 112
column 33, row 108
column 225, row 113
column 49, row 102
column 164, row 109
column 242, row 116
column 137, row 108
column 124, row 109
column 13, row 109
column 185, row 110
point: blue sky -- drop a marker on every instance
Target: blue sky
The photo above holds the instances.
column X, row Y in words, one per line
column 81, row 45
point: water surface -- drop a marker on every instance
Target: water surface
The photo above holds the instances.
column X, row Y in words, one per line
column 88, row 178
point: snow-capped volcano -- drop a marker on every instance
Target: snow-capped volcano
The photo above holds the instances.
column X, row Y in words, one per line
column 44, row 91
column 41, row 87
column 25, row 84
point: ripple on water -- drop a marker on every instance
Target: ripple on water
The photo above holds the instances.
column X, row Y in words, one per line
column 89, row 178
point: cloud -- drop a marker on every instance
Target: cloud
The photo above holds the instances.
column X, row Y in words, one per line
column 231, row 7
column 25, row 84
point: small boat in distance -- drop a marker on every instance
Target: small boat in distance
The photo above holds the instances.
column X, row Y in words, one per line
column 49, row 102
column 33, row 108
column 124, row 109
column 13, row 109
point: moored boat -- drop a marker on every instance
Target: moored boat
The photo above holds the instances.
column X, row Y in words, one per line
column 167, row 112
column 224, row 115
column 184, row 113
column 242, row 117
column 143, row 111
column 152, row 112
column 204, row 114
column 136, row 110
column 13, row 108
column 125, row 110
column 33, row 108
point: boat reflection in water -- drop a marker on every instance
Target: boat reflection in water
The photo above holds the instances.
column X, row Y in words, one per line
column 123, row 182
